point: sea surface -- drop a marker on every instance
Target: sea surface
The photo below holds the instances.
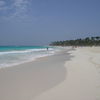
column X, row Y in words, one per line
column 14, row 55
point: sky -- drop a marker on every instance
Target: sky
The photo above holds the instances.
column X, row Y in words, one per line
column 39, row 22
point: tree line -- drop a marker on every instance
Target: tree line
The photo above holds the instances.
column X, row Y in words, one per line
column 88, row 41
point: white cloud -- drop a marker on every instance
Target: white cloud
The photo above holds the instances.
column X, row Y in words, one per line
column 2, row 5
column 21, row 7
column 19, row 3
column 16, row 8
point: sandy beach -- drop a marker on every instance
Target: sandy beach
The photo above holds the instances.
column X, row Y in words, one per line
column 68, row 75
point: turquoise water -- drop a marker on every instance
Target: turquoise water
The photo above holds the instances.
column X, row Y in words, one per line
column 14, row 55
column 10, row 48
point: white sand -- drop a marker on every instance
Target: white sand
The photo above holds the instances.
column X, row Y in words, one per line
column 58, row 77
column 82, row 80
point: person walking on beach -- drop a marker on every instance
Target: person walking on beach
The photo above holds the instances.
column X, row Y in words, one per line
column 47, row 48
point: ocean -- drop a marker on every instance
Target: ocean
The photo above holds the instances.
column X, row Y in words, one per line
column 14, row 55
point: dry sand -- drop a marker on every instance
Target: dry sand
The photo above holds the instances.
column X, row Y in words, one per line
column 82, row 80
column 64, row 76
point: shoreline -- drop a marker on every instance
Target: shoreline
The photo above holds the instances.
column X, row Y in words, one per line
column 71, row 74
column 12, row 56
column 61, row 49
column 29, row 80
column 24, row 62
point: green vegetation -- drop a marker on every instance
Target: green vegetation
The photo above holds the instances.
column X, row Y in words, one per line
column 92, row 41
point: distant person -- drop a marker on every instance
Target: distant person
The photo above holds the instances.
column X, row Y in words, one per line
column 47, row 48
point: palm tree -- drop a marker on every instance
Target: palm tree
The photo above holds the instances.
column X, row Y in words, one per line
column 78, row 42
column 97, row 38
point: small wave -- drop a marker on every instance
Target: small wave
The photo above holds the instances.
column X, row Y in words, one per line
column 12, row 58
column 23, row 51
column 23, row 61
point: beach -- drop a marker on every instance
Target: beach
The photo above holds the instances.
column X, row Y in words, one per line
column 71, row 74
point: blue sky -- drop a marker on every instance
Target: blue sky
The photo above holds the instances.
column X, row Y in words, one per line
column 39, row 22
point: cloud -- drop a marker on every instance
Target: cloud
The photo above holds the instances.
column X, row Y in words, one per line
column 3, row 5
column 21, row 7
column 15, row 8
column 20, row 3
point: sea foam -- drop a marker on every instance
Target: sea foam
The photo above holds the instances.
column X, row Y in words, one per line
column 14, row 57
